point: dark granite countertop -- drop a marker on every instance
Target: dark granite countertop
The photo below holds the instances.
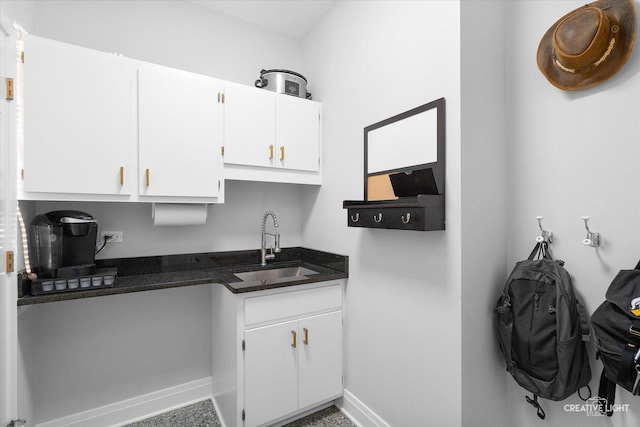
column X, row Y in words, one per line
column 171, row 271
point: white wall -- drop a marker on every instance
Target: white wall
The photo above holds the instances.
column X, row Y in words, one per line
column 21, row 12
column 89, row 353
column 369, row 61
column 233, row 225
column 174, row 33
column 571, row 154
column 484, row 209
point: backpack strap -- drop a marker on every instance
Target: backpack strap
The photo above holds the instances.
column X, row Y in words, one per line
column 627, row 368
column 504, row 319
column 534, row 402
column 537, row 249
column 580, row 393
column 585, row 329
column 626, row 377
column 606, row 394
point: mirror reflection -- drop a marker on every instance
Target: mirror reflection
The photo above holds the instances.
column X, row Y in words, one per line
column 404, row 143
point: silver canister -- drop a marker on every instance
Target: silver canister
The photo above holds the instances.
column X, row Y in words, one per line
column 284, row 81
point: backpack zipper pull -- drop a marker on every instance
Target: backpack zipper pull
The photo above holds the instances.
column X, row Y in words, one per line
column 536, row 297
column 507, row 301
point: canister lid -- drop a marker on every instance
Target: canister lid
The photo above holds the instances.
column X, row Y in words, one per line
column 263, row 72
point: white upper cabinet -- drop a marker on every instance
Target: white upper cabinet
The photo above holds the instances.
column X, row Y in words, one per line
column 249, row 126
column 298, row 133
column 101, row 127
column 180, row 133
column 79, row 123
column 270, row 136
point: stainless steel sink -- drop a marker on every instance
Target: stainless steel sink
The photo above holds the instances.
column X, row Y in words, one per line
column 275, row 274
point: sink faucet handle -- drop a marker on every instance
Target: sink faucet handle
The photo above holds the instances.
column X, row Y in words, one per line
column 270, row 255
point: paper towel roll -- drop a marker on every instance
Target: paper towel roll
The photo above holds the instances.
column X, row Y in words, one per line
column 178, row 214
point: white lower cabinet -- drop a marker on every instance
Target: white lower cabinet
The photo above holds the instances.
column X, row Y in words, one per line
column 320, row 358
column 270, row 373
column 287, row 357
column 292, row 365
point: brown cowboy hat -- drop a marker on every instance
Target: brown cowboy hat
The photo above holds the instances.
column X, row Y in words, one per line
column 588, row 45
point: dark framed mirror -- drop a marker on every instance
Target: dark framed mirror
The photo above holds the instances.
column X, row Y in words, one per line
column 404, row 155
column 404, row 172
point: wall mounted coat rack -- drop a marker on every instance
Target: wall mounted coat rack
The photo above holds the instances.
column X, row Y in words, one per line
column 545, row 235
column 404, row 172
column 592, row 239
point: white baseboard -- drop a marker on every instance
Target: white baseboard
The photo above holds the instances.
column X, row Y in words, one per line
column 139, row 407
column 359, row 413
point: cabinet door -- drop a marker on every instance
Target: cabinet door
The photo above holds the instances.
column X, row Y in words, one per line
column 270, row 372
column 320, row 358
column 78, row 120
column 179, row 133
column 298, row 133
column 249, row 126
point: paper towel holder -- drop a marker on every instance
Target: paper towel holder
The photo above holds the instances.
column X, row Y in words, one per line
column 175, row 214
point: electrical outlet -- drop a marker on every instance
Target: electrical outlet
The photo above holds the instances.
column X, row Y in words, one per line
column 111, row 236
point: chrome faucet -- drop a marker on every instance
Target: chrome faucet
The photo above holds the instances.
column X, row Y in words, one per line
column 264, row 256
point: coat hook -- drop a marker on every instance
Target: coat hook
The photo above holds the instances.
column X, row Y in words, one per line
column 546, row 235
column 593, row 239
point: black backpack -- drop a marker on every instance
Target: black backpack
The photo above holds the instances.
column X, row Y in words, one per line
column 616, row 326
column 542, row 328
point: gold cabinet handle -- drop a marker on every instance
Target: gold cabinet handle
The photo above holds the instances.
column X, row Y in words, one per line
column 146, row 176
column 270, row 152
column 282, row 153
column 294, row 338
column 121, row 175
column 306, row 336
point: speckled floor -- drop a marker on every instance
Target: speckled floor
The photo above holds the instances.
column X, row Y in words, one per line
column 329, row 417
column 203, row 414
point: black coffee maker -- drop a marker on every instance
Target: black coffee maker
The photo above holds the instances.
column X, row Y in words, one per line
column 62, row 244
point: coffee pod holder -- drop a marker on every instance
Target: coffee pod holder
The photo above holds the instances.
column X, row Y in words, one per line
column 103, row 278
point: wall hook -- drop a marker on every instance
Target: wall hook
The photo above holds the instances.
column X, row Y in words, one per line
column 546, row 235
column 593, row 239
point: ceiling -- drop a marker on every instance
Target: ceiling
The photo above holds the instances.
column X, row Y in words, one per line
column 294, row 18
